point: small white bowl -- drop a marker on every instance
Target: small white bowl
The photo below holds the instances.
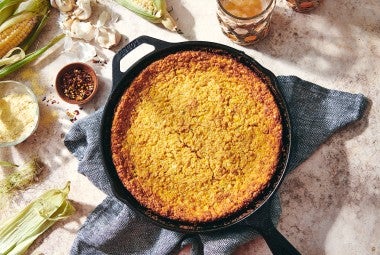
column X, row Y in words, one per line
column 11, row 87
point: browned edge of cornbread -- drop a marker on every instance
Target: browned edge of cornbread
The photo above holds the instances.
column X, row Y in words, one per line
column 125, row 115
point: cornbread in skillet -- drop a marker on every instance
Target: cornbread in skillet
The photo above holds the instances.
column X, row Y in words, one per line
column 196, row 136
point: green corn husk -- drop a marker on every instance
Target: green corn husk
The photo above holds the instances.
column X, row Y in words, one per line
column 7, row 164
column 7, row 8
column 19, row 232
column 20, row 178
column 152, row 10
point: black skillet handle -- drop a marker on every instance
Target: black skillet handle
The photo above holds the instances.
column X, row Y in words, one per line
column 116, row 72
column 276, row 242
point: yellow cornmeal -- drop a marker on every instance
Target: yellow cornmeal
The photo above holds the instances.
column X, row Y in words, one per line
column 48, row 116
column 201, row 143
column 33, row 77
column 17, row 116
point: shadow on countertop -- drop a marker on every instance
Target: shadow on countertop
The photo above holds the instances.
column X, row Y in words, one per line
column 312, row 196
column 331, row 50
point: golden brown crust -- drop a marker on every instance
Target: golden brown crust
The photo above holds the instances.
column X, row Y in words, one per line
column 196, row 137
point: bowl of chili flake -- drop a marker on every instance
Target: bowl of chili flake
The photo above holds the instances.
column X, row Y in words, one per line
column 76, row 83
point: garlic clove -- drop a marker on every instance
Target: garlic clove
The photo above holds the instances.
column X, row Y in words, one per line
column 83, row 10
column 63, row 5
column 82, row 30
column 103, row 19
column 53, row 4
column 107, row 37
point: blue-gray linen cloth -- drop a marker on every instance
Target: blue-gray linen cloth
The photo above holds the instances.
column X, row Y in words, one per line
column 113, row 228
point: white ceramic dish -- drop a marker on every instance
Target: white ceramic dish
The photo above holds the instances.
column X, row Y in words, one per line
column 13, row 87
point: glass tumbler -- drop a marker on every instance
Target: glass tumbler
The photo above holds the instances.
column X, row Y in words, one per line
column 303, row 5
column 245, row 21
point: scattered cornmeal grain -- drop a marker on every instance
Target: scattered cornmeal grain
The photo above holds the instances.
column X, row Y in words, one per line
column 196, row 136
column 32, row 76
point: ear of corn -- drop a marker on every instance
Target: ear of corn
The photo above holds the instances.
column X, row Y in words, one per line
column 33, row 36
column 4, row 71
column 14, row 31
column 20, row 26
column 152, row 10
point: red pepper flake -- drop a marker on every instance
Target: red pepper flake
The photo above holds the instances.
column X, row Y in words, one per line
column 77, row 84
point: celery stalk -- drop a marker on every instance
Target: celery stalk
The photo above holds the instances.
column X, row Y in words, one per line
column 19, row 232
column 4, row 71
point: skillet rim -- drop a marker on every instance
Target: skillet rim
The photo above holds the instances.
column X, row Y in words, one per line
column 122, row 193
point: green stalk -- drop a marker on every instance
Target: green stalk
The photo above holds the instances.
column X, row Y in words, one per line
column 6, row 70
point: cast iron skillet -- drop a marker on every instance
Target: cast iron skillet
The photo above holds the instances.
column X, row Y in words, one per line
column 260, row 206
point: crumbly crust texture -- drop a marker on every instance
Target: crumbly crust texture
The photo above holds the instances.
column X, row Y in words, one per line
column 196, row 137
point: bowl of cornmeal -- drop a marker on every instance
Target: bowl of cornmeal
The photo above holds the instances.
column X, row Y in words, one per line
column 19, row 113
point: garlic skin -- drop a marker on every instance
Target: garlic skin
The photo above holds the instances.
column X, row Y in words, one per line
column 83, row 10
column 78, row 50
column 63, row 5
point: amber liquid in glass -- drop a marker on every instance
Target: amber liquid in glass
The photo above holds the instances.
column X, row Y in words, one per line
column 243, row 8
column 245, row 21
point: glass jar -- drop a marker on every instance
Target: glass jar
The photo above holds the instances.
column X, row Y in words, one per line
column 245, row 21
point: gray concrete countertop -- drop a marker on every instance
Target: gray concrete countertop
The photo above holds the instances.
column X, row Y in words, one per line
column 331, row 202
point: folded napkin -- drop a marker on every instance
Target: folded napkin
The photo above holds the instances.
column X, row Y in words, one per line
column 113, row 228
